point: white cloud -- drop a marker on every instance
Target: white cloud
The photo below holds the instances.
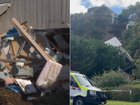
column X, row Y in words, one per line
column 111, row 3
column 76, row 7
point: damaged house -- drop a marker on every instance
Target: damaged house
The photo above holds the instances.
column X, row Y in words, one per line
column 34, row 47
column 129, row 61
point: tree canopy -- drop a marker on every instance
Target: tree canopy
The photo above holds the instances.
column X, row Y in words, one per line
column 91, row 24
column 90, row 56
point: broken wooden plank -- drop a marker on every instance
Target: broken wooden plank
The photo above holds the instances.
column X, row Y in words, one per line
column 16, row 46
column 3, row 34
column 68, row 25
column 30, row 40
column 32, row 58
column 67, row 43
column 55, row 47
column 9, row 67
column 24, row 25
column 20, row 49
column 13, row 61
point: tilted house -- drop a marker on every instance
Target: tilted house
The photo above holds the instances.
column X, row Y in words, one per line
column 116, row 43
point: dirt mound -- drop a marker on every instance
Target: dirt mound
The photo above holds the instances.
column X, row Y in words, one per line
column 10, row 97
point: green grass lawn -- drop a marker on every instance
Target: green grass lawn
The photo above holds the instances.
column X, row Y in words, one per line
column 122, row 103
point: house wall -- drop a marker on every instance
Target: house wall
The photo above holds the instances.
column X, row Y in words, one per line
column 40, row 14
column 114, row 15
column 91, row 10
column 131, row 23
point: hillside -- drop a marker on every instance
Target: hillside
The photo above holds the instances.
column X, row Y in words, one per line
column 97, row 24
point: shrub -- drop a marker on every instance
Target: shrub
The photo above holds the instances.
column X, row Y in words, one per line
column 134, row 82
column 135, row 92
column 110, row 79
column 125, row 96
column 136, row 71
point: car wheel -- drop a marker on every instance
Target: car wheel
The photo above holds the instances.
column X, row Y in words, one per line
column 79, row 101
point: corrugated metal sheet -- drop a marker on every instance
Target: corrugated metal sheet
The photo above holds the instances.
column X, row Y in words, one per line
column 41, row 14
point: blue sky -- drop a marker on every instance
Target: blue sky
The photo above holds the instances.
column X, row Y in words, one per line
column 77, row 6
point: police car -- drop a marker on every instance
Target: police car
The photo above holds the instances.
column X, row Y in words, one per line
column 82, row 91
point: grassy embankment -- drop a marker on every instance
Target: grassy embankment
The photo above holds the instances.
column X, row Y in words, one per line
column 122, row 103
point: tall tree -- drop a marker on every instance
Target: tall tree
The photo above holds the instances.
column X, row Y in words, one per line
column 90, row 56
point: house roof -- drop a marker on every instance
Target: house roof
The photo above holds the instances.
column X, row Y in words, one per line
column 114, row 42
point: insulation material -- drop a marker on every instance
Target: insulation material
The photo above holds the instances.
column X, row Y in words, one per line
column 26, row 86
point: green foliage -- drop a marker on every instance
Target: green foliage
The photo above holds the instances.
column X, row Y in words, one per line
column 76, row 23
column 127, row 35
column 131, row 37
column 96, row 33
column 117, row 81
column 133, row 46
column 92, row 25
column 82, row 54
column 131, row 10
column 136, row 71
column 122, row 18
column 136, row 27
column 102, row 16
column 90, row 56
column 110, row 79
column 134, row 82
column 125, row 96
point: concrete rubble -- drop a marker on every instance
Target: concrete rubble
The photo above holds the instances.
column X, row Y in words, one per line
column 35, row 60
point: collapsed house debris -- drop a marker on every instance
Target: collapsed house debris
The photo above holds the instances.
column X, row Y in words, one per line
column 35, row 60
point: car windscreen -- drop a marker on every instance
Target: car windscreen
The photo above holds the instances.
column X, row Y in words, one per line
column 83, row 80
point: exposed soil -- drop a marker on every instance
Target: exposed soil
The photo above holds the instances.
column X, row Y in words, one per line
column 107, row 35
column 10, row 97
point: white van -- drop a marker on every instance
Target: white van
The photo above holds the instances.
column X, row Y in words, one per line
column 82, row 92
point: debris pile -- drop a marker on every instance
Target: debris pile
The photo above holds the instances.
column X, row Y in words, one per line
column 35, row 60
